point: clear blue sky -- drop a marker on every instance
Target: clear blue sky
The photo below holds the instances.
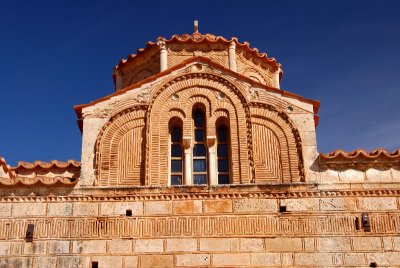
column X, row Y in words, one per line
column 55, row 54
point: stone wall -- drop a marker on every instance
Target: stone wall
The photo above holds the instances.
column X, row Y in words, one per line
column 243, row 225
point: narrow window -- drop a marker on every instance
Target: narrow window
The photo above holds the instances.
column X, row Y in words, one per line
column 223, row 155
column 176, row 165
column 199, row 148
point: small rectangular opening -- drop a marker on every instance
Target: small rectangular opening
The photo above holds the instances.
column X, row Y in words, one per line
column 366, row 222
column 29, row 232
column 282, row 209
column 373, row 264
column 129, row 212
column 95, row 264
column 357, row 224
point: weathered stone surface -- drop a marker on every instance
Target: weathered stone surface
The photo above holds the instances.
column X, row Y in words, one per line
column 251, row 244
column 108, row 261
column 255, row 205
column 391, row 259
column 131, row 261
column 307, row 204
column 231, row 259
column 29, row 209
column 86, row 209
column 89, row 246
column 58, row 247
column 5, row 210
column 5, row 248
column 333, row 244
column 35, row 247
column 46, row 262
column 355, row 259
column 149, row 245
column 377, row 203
column 156, row 261
column 378, row 175
column 217, row 206
column 329, row 204
column 219, row 244
column 187, row 207
column 158, row 207
column 283, row 244
column 193, row 260
column 312, row 259
column 117, row 208
column 181, row 244
column 265, row 259
column 351, row 175
column 367, row 243
column 59, row 209
column 23, row 262
column 120, row 246
column 74, row 261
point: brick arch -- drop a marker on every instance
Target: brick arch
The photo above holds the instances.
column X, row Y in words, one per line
column 273, row 129
column 116, row 163
column 192, row 86
column 255, row 75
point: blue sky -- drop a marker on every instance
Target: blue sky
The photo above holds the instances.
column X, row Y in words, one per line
column 55, row 54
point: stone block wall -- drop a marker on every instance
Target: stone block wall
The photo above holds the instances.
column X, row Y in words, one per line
column 303, row 225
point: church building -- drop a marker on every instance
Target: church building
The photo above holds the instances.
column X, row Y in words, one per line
column 200, row 159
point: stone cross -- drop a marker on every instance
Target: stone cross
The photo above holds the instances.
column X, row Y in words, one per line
column 196, row 26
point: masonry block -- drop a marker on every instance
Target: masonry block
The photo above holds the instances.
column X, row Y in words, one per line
column 120, row 246
column 219, row 206
column 86, row 209
column 251, row 244
column 5, row 248
column 355, row 259
column 266, row 259
column 333, row 244
column 306, row 204
column 377, row 203
column 58, row 247
column 255, row 205
column 131, row 261
column 35, row 247
column 29, row 209
column 5, row 209
column 283, row 244
column 108, row 261
column 59, row 209
column 89, row 246
column 367, row 243
column 219, row 244
column 118, row 209
column 337, row 204
column 187, row 207
column 181, row 244
column 74, row 261
column 310, row 259
column 158, row 207
column 149, row 245
column 46, row 262
column 231, row 259
column 193, row 260
column 156, row 261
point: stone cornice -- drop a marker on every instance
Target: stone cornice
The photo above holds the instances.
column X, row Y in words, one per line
column 282, row 191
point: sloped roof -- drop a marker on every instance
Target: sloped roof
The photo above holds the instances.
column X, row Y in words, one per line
column 360, row 157
column 198, row 38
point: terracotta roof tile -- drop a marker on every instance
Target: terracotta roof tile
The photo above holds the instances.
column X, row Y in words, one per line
column 360, row 158
column 47, row 165
column 201, row 38
column 18, row 181
column 7, row 169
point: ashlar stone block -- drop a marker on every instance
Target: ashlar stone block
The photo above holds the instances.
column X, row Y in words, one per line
column 266, row 259
column 283, row 244
column 333, row 244
column 217, row 206
column 156, row 261
column 231, row 259
column 120, row 246
column 89, row 246
column 117, row 209
column 193, row 260
column 181, row 244
column 58, row 247
column 149, row 245
column 158, row 207
column 29, row 209
column 255, row 205
column 219, row 244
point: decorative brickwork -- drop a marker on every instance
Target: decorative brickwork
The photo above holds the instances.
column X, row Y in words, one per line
column 120, row 149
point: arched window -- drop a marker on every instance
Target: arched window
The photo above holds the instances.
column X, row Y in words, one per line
column 199, row 147
column 223, row 154
column 176, row 153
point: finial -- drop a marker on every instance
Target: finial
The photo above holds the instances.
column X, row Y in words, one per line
column 196, row 26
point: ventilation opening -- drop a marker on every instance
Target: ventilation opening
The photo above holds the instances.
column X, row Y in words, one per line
column 29, row 233
column 373, row 264
column 357, row 224
column 129, row 212
column 282, row 209
column 95, row 264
